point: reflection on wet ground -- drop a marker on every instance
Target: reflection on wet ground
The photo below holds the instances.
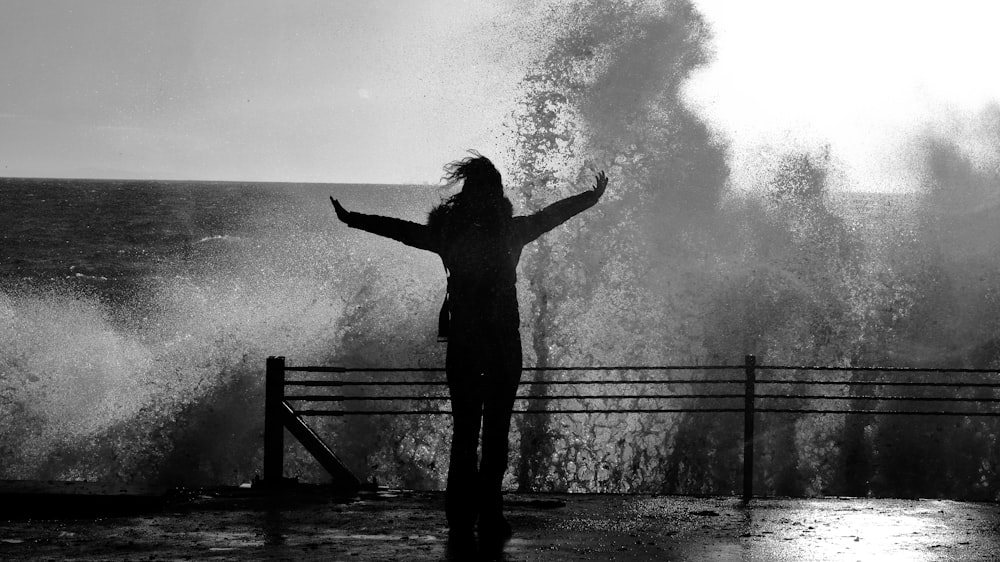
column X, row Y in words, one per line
column 410, row 526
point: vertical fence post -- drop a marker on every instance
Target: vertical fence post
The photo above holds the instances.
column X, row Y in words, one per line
column 274, row 428
column 750, row 363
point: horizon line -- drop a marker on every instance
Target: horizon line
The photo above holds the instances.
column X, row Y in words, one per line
column 113, row 179
column 359, row 183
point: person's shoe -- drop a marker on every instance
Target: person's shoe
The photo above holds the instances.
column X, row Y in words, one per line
column 461, row 544
column 494, row 529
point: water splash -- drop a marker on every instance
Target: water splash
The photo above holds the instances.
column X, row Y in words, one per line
column 677, row 266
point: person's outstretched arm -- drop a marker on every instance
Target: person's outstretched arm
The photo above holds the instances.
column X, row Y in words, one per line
column 409, row 233
column 533, row 226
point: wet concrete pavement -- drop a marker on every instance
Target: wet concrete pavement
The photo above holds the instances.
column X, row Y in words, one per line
column 309, row 523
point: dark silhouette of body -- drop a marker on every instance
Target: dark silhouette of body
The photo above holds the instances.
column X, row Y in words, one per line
column 480, row 243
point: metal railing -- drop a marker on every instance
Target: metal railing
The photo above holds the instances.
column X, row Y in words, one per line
column 737, row 395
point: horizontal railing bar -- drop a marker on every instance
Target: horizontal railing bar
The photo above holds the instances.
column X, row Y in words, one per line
column 620, row 411
column 875, row 412
column 884, row 383
column 363, row 383
column 324, row 369
column 879, row 398
column 656, row 411
column 328, row 398
column 876, row 369
column 677, row 381
column 320, row 369
column 522, row 383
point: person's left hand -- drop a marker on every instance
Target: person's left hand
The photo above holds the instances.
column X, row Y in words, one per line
column 602, row 183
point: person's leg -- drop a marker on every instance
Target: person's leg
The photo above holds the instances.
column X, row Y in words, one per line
column 502, row 378
column 466, row 407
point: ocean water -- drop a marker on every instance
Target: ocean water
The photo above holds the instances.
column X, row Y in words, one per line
column 115, row 230
column 135, row 317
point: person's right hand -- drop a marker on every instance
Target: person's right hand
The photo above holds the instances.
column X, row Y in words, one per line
column 341, row 211
column 601, row 183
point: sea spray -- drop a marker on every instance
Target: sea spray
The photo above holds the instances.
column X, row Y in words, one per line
column 679, row 265
column 77, row 377
column 67, row 374
column 625, row 283
column 165, row 383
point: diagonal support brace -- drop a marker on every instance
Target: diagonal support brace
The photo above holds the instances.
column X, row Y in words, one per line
column 342, row 476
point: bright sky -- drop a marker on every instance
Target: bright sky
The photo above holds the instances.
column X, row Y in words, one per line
column 867, row 78
column 344, row 91
column 388, row 91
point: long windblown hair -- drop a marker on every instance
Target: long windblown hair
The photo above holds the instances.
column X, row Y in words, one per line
column 481, row 203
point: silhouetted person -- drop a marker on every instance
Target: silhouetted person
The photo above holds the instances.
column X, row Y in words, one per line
column 480, row 242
